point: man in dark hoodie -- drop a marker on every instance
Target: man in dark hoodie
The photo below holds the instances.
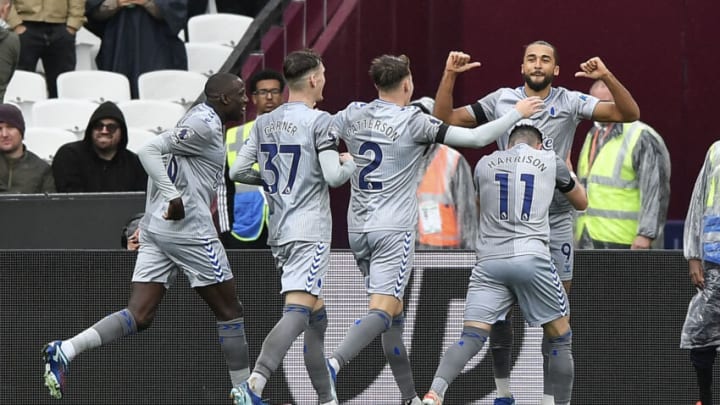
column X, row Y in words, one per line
column 101, row 161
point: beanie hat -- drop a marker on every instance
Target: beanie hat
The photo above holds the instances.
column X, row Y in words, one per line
column 12, row 116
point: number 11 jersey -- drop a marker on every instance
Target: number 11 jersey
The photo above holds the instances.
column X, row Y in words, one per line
column 515, row 188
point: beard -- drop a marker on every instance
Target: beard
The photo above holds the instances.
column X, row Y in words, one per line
column 535, row 86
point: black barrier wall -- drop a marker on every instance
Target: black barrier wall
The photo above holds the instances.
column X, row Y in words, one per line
column 66, row 221
column 627, row 312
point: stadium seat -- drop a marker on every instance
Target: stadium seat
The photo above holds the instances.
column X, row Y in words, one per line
column 44, row 141
column 26, row 88
column 87, row 46
column 69, row 114
column 151, row 115
column 206, row 58
column 221, row 28
column 137, row 138
column 94, row 85
column 179, row 86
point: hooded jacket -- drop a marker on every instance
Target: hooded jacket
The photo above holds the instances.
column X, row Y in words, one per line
column 77, row 167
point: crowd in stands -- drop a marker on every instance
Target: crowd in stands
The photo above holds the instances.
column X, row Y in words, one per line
column 60, row 136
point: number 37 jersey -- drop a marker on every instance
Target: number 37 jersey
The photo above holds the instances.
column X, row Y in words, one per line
column 515, row 188
column 387, row 142
column 286, row 143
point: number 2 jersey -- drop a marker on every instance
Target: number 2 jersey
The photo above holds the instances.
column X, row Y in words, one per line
column 286, row 143
column 387, row 142
column 515, row 189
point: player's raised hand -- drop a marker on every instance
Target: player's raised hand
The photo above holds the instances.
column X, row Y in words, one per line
column 529, row 106
column 458, row 62
column 593, row 68
column 175, row 211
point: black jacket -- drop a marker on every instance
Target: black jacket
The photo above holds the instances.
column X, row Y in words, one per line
column 77, row 168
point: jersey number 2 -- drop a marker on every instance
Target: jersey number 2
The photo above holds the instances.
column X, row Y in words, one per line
column 273, row 150
column 377, row 158
column 529, row 180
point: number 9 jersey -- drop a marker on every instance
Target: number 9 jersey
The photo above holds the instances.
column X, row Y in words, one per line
column 388, row 143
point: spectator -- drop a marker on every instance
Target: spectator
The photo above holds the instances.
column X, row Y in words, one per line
column 447, row 211
column 626, row 169
column 138, row 36
column 701, row 331
column 9, row 48
column 21, row 171
column 47, row 31
column 100, row 162
column 247, row 210
column 130, row 236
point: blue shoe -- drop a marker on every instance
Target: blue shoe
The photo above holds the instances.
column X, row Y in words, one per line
column 56, row 366
column 504, row 401
column 243, row 395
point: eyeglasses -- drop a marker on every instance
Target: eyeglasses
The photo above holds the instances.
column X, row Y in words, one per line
column 111, row 127
column 265, row 92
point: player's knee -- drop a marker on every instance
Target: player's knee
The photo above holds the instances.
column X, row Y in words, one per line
column 703, row 357
column 144, row 321
column 501, row 334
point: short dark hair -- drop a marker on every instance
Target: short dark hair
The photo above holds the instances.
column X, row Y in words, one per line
column 387, row 71
column 545, row 43
column 297, row 64
column 266, row 74
column 525, row 133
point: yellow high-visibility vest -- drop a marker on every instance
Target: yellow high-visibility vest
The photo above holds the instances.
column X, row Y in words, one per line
column 250, row 208
column 612, row 188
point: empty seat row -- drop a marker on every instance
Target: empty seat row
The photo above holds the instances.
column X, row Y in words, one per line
column 45, row 142
column 73, row 115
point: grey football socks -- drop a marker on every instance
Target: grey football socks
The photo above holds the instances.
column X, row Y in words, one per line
column 501, row 339
column 457, row 356
column 314, row 354
column 397, row 357
column 293, row 322
column 112, row 327
column 561, row 367
column 234, row 348
column 361, row 334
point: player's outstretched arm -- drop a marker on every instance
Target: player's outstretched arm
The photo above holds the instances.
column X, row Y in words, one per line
column 624, row 108
column 150, row 156
column 489, row 132
column 456, row 63
column 242, row 171
column 336, row 167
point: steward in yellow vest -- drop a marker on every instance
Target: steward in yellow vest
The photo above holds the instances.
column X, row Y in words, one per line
column 626, row 171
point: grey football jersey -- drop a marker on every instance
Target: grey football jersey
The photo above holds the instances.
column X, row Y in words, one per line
column 286, row 143
column 558, row 121
column 195, row 165
column 515, row 189
column 387, row 143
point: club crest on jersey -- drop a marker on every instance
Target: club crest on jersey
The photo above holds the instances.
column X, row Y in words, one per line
column 180, row 134
column 552, row 111
column 434, row 121
column 548, row 144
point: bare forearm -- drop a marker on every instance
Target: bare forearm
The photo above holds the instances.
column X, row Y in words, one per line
column 626, row 105
column 444, row 97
